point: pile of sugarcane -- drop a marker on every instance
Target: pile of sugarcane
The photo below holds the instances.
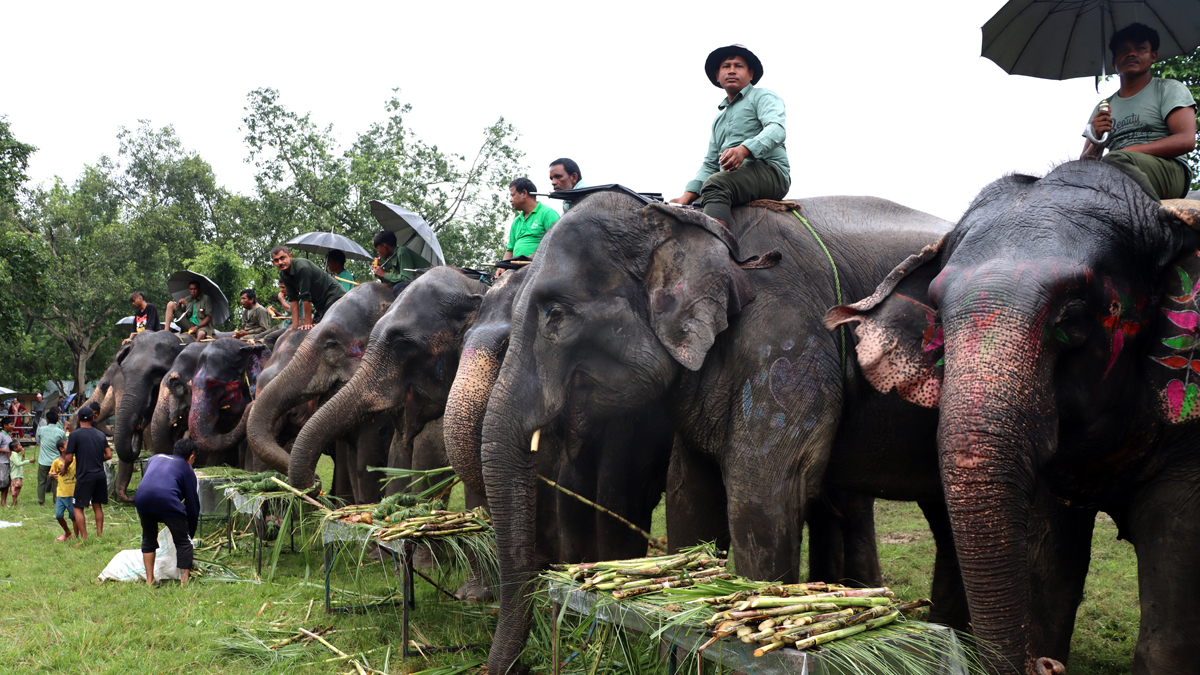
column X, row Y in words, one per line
column 257, row 483
column 631, row 578
column 802, row 616
column 437, row 523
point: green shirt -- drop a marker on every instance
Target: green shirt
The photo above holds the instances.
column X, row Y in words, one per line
column 1142, row 118
column 402, row 259
column 306, row 281
column 756, row 119
column 255, row 320
column 195, row 311
column 47, row 437
column 344, row 278
column 18, row 466
column 527, row 231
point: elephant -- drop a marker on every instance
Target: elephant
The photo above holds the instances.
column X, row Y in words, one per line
column 405, row 374
column 628, row 306
column 169, row 423
column 143, row 362
column 325, row 359
column 222, row 388
column 106, row 394
column 1055, row 330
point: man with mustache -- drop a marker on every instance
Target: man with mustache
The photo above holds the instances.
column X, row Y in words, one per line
column 1151, row 122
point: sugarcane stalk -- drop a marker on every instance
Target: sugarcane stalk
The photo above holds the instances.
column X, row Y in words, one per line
column 763, row 602
column 697, row 576
column 621, row 595
column 908, row 607
column 800, row 633
column 649, row 537
column 768, row 648
column 823, row 638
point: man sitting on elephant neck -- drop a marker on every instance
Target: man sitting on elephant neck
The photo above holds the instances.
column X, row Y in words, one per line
column 1155, row 119
column 746, row 157
column 565, row 175
column 195, row 311
column 308, row 287
column 533, row 220
column 392, row 265
column 255, row 319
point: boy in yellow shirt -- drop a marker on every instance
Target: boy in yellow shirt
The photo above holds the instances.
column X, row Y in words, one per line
column 64, row 499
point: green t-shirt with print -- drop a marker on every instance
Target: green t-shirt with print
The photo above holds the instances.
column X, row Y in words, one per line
column 527, row 231
column 1142, row 118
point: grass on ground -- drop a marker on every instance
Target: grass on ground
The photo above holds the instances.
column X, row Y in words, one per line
column 56, row 617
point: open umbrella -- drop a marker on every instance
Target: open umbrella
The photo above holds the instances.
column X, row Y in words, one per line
column 412, row 232
column 178, row 282
column 324, row 242
column 1062, row 39
column 5, row 391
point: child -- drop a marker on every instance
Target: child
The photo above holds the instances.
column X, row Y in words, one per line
column 18, row 461
column 64, row 498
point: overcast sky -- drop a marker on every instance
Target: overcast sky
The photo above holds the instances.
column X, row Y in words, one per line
column 883, row 98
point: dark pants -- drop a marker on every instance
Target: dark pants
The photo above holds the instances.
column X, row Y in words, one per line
column 752, row 180
column 1166, row 178
column 45, row 484
column 179, row 534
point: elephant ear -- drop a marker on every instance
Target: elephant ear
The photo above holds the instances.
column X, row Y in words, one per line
column 1175, row 347
column 694, row 282
column 900, row 343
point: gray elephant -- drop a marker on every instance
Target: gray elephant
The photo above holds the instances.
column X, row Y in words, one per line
column 169, row 423
column 324, row 361
column 1057, row 329
column 106, row 394
column 626, row 307
column 143, row 362
column 222, row 387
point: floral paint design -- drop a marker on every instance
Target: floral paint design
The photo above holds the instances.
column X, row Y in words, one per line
column 1182, row 337
column 1124, row 318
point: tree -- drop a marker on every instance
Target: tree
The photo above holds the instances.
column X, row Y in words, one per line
column 1186, row 69
column 14, row 160
column 305, row 182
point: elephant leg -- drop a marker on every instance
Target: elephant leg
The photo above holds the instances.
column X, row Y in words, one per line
column 948, row 594
column 124, row 474
column 479, row 584
column 399, row 457
column 860, row 553
column 1060, row 548
column 342, row 466
column 826, row 547
column 696, row 510
column 576, row 522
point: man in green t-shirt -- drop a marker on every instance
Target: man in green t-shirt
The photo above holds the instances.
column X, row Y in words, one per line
column 532, row 223
column 309, row 288
column 1151, row 122
column 48, row 436
column 335, row 263
column 392, row 264
column 194, row 312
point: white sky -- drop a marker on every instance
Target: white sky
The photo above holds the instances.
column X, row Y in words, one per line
column 883, row 98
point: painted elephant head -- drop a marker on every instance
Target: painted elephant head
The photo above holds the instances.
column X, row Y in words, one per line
column 144, row 362
column 325, row 360
column 1056, row 327
column 222, row 388
column 107, row 393
column 170, row 421
column 406, row 371
column 618, row 302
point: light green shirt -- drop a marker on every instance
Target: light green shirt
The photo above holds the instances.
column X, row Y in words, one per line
column 526, row 232
column 1142, row 118
column 756, row 119
column 344, row 278
column 47, row 437
column 578, row 186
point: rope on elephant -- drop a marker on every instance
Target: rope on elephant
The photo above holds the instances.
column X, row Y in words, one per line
column 837, row 284
column 654, row 542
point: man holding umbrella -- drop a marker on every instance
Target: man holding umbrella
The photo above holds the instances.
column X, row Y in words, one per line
column 195, row 311
column 307, row 285
column 1151, row 122
column 391, row 265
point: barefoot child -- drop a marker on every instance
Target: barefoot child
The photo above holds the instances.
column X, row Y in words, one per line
column 64, row 497
column 18, row 463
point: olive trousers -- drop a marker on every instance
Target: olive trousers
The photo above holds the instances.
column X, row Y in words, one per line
column 752, row 180
column 1166, row 178
column 45, row 484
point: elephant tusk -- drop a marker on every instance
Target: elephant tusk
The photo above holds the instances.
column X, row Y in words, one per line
column 224, row 407
column 533, row 444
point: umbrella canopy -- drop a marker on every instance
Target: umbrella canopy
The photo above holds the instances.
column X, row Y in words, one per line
column 1062, row 39
column 178, row 282
column 324, row 242
column 5, row 391
column 412, row 232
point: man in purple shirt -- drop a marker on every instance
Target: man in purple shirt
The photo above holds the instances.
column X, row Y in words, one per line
column 169, row 494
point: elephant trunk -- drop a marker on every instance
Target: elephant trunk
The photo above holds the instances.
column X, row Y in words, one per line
column 478, row 369
column 284, row 391
column 362, row 396
column 208, row 399
column 160, row 422
column 998, row 420
column 130, row 418
column 108, row 408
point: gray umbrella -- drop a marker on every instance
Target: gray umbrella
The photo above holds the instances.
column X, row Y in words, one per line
column 1062, row 39
column 411, row 230
column 178, row 282
column 324, row 242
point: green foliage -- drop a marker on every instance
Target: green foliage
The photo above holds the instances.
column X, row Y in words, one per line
column 14, row 160
column 305, row 181
column 1186, row 69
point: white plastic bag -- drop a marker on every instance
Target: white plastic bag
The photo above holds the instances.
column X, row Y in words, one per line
column 129, row 565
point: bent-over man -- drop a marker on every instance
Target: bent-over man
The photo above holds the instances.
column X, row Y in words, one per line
column 746, row 157
column 309, row 288
column 169, row 494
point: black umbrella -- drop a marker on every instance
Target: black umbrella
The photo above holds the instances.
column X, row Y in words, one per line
column 412, row 232
column 324, row 242
column 1062, row 39
column 178, row 283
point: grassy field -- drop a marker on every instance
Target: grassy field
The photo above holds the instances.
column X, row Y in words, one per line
column 56, row 617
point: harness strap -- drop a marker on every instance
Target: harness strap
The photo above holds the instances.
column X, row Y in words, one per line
column 837, row 283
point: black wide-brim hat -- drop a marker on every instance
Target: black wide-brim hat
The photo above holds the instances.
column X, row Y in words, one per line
column 718, row 56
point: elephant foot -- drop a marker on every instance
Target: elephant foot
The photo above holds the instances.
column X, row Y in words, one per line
column 1047, row 666
column 475, row 591
column 124, row 473
column 423, row 557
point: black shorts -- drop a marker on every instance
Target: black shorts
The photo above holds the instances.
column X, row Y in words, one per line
column 88, row 492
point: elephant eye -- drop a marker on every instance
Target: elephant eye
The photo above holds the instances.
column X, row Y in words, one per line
column 1074, row 324
column 555, row 312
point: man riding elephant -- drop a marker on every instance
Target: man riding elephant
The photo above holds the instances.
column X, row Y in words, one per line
column 746, row 157
column 306, row 285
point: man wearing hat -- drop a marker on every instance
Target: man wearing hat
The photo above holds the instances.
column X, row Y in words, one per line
column 746, row 157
